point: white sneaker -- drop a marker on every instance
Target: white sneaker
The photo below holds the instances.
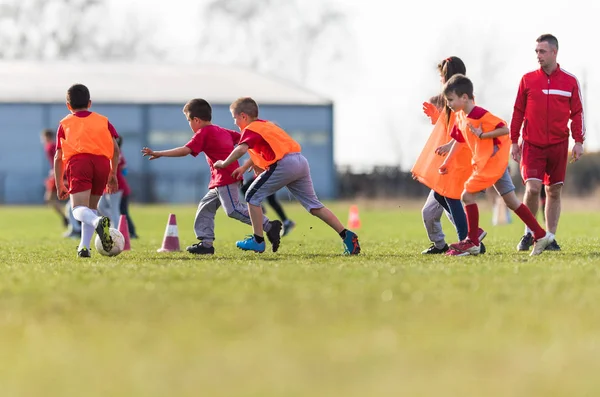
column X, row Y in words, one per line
column 540, row 245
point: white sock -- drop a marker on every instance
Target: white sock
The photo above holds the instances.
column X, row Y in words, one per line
column 528, row 230
column 86, row 216
column 87, row 232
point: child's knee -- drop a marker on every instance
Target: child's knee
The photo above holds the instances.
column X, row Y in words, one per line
column 467, row 198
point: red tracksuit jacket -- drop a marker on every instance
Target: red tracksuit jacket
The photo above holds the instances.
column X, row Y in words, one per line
column 544, row 106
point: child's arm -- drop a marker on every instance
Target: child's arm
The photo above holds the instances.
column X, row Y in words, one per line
column 500, row 131
column 238, row 172
column 112, row 184
column 455, row 148
column 63, row 192
column 238, row 152
column 177, row 152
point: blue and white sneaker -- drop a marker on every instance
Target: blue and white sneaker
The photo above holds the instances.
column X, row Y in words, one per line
column 351, row 245
column 250, row 244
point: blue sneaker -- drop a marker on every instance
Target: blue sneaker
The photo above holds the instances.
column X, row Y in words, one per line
column 351, row 245
column 250, row 244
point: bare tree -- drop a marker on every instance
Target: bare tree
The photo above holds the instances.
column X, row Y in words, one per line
column 284, row 38
column 68, row 29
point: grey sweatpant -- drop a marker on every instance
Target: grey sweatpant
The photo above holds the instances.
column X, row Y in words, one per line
column 110, row 205
column 293, row 172
column 432, row 219
column 228, row 197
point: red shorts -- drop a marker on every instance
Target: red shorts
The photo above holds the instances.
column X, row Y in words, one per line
column 88, row 172
column 546, row 164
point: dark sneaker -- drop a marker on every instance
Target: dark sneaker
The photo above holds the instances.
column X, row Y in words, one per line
column 274, row 234
column 526, row 242
column 200, row 249
column 433, row 250
column 288, row 226
column 84, row 253
column 553, row 246
column 483, row 249
column 103, row 230
column 351, row 245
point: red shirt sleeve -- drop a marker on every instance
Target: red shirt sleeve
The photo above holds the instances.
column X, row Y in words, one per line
column 577, row 124
column 113, row 131
column 457, row 135
column 250, row 138
column 518, row 112
column 196, row 144
column 60, row 135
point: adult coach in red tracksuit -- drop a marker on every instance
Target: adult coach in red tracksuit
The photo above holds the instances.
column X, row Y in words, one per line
column 547, row 99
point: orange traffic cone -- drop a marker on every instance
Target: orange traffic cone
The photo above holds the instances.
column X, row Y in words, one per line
column 353, row 218
column 171, row 239
column 124, row 229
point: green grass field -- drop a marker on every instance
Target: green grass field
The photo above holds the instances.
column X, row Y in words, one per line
column 306, row 321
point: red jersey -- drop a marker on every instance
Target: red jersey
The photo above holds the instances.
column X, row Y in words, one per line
column 544, row 106
column 217, row 143
column 60, row 134
column 50, row 150
column 123, row 185
column 257, row 142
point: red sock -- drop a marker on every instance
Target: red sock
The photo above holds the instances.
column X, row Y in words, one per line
column 527, row 217
column 473, row 221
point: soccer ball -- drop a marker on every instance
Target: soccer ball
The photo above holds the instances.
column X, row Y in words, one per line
column 118, row 243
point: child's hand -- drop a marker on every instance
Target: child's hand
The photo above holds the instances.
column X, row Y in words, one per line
column 477, row 131
column 63, row 191
column 219, row 164
column 237, row 173
column 151, row 154
column 443, row 169
column 444, row 149
column 112, row 186
column 431, row 111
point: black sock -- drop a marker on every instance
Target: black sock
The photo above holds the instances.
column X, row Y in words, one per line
column 259, row 239
column 343, row 233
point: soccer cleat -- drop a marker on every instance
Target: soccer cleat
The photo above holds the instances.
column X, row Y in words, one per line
column 553, row 246
column 250, row 244
column 483, row 249
column 103, row 230
column 525, row 243
column 433, row 250
column 351, row 245
column 465, row 247
column 274, row 235
column 482, row 234
column 200, row 249
column 84, row 253
column 540, row 245
column 288, row 226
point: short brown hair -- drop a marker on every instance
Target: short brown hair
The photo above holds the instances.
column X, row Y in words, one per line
column 48, row 133
column 78, row 96
column 198, row 108
column 245, row 105
column 460, row 85
column 548, row 38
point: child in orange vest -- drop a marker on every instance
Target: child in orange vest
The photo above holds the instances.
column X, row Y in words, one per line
column 278, row 157
column 487, row 137
column 223, row 189
column 87, row 152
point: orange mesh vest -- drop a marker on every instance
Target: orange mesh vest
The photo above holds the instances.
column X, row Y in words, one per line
column 281, row 143
column 486, row 163
column 427, row 164
column 86, row 135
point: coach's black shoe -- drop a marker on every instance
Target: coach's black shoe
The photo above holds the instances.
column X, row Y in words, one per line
column 553, row 246
column 200, row 249
column 433, row 250
column 526, row 242
column 274, row 234
column 103, row 230
column 84, row 253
